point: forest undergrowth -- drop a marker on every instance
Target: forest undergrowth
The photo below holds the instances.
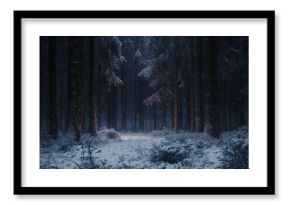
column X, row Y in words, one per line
column 162, row 149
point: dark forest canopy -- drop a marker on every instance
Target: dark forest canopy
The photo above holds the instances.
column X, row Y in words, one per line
column 142, row 84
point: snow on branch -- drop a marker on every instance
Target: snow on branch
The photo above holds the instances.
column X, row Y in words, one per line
column 117, row 80
column 113, row 79
column 118, row 61
column 155, row 98
column 137, row 55
column 146, row 72
column 122, row 59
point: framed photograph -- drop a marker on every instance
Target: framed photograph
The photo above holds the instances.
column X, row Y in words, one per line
column 144, row 102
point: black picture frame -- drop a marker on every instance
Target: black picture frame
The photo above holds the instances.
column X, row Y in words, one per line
column 268, row 190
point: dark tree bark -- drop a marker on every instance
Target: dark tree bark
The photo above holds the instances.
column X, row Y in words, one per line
column 44, row 87
column 180, row 108
column 53, row 104
column 69, row 96
column 92, row 86
column 242, row 80
column 99, row 102
column 175, row 110
column 190, row 87
column 197, row 111
column 141, row 106
column 112, row 108
column 154, row 117
column 76, row 86
column 201, row 87
column 176, row 97
column 62, row 72
column 212, row 87
column 84, row 84
column 136, row 111
column 164, row 105
column 124, row 100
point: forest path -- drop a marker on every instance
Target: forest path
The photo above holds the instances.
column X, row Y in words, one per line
column 137, row 136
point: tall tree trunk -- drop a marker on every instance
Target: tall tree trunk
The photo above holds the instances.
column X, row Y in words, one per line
column 175, row 111
column 188, row 103
column 53, row 104
column 164, row 104
column 136, row 111
column 92, row 87
column 242, row 82
column 44, row 87
column 76, row 85
column 68, row 116
column 112, row 111
column 109, row 109
column 154, row 117
column 99, row 94
column 83, row 90
column 114, row 116
column 196, row 86
column 180, row 108
column 213, row 89
column 141, row 107
column 190, row 107
column 63, row 82
column 124, row 100
column 230, row 105
column 201, row 88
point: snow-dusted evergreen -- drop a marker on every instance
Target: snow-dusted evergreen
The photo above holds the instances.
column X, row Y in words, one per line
column 147, row 102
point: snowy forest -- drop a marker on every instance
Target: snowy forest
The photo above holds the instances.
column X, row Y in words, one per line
column 144, row 102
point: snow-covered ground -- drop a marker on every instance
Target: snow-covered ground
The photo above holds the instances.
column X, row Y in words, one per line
column 155, row 150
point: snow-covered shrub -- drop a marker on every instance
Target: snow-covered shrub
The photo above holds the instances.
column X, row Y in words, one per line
column 48, row 161
column 112, row 134
column 236, row 154
column 46, row 141
column 89, row 140
column 101, row 164
column 89, row 154
column 124, row 162
column 168, row 153
column 198, row 153
column 186, row 163
column 183, row 138
column 88, row 145
column 109, row 134
column 160, row 133
column 64, row 143
column 200, row 144
column 86, row 164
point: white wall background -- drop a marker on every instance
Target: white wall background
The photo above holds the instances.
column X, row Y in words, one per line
column 282, row 98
